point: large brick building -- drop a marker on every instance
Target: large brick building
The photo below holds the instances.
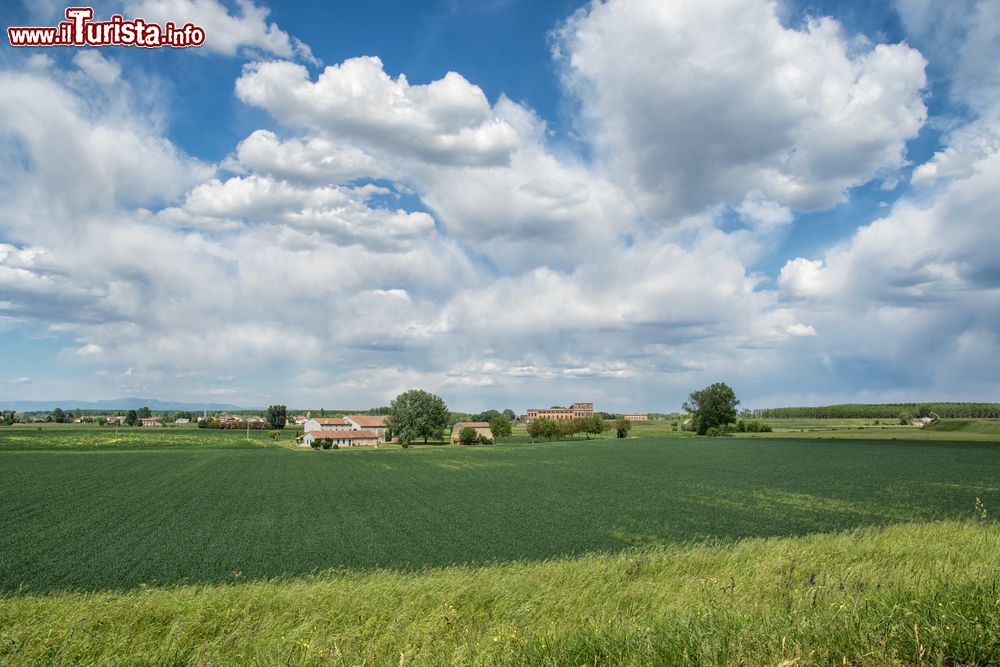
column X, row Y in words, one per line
column 574, row 411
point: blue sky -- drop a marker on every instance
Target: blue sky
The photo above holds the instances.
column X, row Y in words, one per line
column 508, row 203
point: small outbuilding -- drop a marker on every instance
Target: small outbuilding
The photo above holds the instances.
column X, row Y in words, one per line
column 483, row 430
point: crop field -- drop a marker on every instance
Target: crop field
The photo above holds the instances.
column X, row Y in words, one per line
column 84, row 514
column 187, row 545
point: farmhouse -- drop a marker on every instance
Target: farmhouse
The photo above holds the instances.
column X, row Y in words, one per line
column 573, row 412
column 341, row 438
column 636, row 418
column 150, row 422
column 182, row 420
column 373, row 424
column 483, row 430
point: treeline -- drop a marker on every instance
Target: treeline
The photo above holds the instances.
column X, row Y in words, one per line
column 881, row 411
column 235, row 425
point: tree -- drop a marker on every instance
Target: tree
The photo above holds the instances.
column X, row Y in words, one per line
column 501, row 427
column 417, row 414
column 58, row 416
column 905, row 419
column 487, row 416
column 535, row 428
column 509, row 414
column 550, row 428
column 276, row 416
column 715, row 405
column 132, row 418
column 596, row 425
column 468, row 436
column 622, row 427
column 145, row 413
column 10, row 417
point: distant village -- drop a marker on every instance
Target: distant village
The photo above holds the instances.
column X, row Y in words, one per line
column 348, row 430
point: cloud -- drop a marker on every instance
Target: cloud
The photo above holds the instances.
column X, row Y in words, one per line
column 448, row 121
column 101, row 69
column 313, row 160
column 86, row 153
column 694, row 104
column 799, row 329
column 226, row 33
column 384, row 235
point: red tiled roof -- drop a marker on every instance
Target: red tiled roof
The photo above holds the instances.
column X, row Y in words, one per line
column 330, row 421
column 368, row 421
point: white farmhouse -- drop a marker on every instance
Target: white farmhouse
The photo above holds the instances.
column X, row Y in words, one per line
column 341, row 438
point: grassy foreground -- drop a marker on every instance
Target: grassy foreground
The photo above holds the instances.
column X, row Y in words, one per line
column 925, row 593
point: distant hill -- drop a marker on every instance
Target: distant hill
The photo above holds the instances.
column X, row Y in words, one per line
column 115, row 404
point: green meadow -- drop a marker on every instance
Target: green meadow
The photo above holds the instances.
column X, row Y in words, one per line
column 184, row 545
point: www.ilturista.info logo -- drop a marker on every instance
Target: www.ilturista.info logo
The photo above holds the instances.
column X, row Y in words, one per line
column 79, row 29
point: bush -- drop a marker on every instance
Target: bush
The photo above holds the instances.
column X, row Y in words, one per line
column 483, row 440
column 468, row 436
column 405, row 444
column 316, row 444
column 336, row 445
column 717, row 431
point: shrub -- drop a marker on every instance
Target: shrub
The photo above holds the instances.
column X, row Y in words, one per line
column 468, row 436
column 336, row 445
column 405, row 444
column 483, row 440
column 327, row 443
column 315, row 444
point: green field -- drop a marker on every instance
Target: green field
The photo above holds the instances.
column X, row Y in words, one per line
column 201, row 546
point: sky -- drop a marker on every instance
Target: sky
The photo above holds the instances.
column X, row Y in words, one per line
column 508, row 203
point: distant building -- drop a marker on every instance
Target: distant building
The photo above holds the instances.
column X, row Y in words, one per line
column 182, row 420
column 149, row 422
column 341, row 438
column 372, row 423
column 483, row 430
column 636, row 418
column 575, row 411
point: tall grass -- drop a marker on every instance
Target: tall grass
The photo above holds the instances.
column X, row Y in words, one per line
column 910, row 594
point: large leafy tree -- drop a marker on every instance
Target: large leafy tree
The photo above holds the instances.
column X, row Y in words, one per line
column 145, row 413
column 501, row 427
column 417, row 414
column 276, row 416
column 58, row 416
column 715, row 405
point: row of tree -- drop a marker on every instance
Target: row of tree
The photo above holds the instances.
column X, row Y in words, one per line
column 543, row 427
column 881, row 411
